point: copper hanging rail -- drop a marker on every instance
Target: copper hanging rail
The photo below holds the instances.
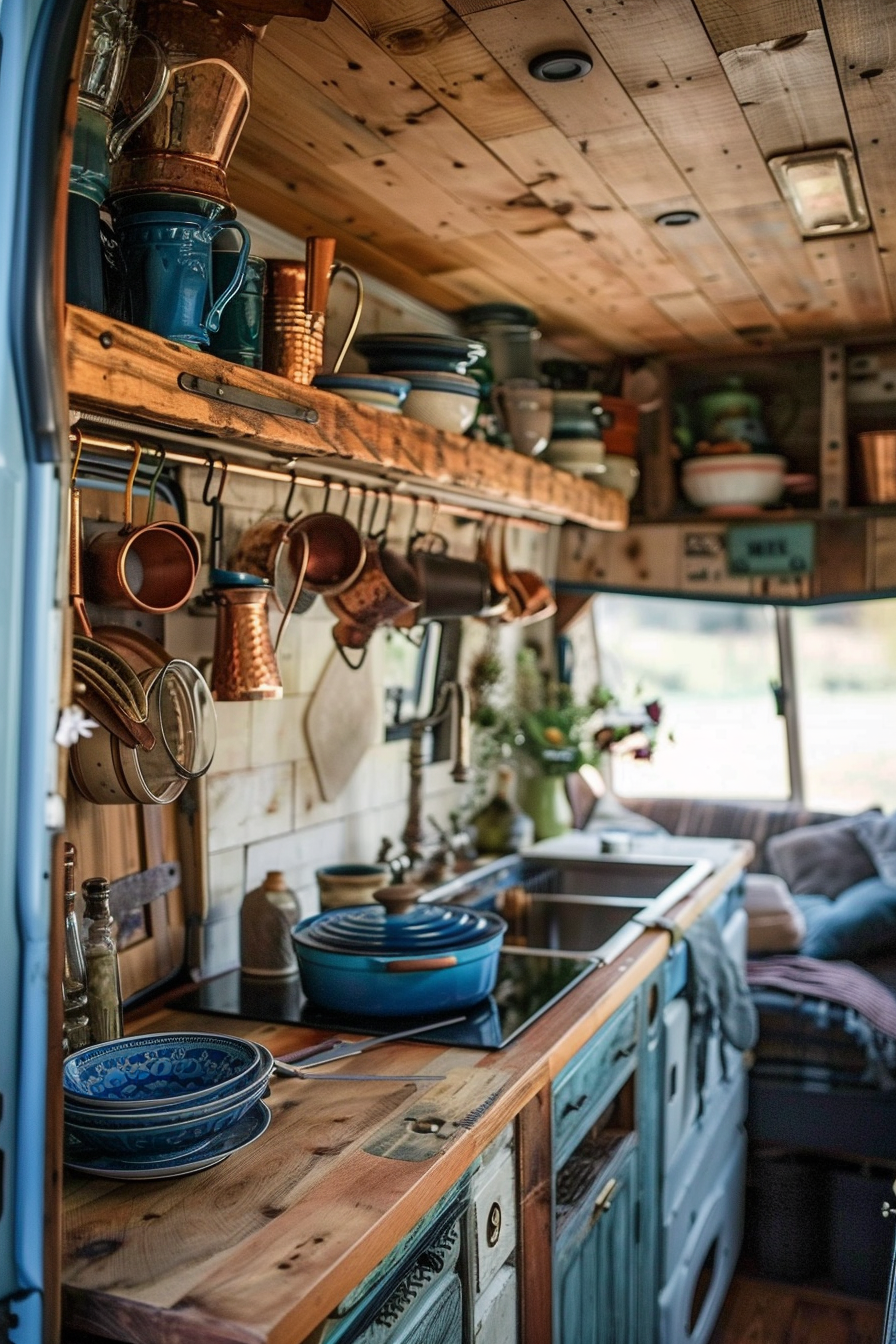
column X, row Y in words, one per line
column 289, row 476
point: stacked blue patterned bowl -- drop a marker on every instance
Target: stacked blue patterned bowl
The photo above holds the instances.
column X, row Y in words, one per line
column 146, row 1107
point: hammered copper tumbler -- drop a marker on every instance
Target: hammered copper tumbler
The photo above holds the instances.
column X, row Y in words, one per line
column 244, row 666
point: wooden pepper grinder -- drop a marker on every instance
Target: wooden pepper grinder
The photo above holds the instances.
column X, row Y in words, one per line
column 267, row 915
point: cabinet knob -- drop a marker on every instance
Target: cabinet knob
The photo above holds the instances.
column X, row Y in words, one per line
column 493, row 1225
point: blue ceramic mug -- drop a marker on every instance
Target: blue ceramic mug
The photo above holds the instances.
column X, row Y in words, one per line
column 168, row 264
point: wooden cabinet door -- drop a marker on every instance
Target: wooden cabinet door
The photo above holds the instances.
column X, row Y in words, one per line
column 597, row 1269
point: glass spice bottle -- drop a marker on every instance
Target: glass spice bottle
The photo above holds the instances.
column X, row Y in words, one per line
column 101, row 956
column 76, row 1024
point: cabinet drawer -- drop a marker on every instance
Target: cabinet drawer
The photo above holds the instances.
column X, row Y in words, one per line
column 494, row 1222
column 590, row 1079
column 496, row 1310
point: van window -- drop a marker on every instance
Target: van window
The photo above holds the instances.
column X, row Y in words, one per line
column 845, row 665
column 712, row 665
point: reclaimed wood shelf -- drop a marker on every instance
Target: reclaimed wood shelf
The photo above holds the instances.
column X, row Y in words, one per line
column 120, row 370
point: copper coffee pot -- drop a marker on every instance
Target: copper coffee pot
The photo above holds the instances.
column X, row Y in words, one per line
column 295, row 306
column 185, row 145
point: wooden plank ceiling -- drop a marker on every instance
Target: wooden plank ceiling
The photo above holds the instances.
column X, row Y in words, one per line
column 412, row 131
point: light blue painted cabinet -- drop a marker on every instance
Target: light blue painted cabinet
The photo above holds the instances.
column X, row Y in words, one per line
column 596, row 1263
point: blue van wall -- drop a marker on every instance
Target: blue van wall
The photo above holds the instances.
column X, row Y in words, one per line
column 38, row 41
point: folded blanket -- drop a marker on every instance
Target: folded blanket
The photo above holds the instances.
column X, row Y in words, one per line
column 834, row 981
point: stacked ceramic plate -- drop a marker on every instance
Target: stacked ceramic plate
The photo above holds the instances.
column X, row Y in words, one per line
column 435, row 369
column 148, row 1107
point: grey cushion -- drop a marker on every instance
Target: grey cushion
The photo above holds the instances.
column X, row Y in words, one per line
column 861, row 922
column 822, row 859
column 877, row 835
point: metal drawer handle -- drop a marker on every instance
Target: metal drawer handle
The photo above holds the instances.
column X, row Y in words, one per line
column 604, row 1199
column 493, row 1225
column 575, row 1105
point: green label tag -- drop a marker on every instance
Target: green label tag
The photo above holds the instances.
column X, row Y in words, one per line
column 772, row 548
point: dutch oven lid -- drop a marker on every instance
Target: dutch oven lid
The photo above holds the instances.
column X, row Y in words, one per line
column 374, row 930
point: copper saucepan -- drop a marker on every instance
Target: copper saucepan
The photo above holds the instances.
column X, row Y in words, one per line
column 152, row 568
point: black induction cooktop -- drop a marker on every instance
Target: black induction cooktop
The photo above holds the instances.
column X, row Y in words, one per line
column 528, row 984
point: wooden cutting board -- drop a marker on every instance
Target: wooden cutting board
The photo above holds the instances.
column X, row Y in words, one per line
column 341, row 722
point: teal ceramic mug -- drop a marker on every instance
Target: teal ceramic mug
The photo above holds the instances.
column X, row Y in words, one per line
column 168, row 269
column 239, row 337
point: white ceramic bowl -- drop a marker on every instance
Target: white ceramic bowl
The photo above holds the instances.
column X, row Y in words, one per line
column 450, row 410
column 582, row 457
column 621, row 473
column 733, row 480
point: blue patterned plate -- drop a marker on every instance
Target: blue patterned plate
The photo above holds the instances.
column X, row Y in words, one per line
column 80, row 1157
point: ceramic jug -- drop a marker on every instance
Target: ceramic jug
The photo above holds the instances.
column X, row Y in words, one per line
column 267, row 915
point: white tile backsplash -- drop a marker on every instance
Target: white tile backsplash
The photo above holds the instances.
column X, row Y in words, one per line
column 249, row 805
column 264, row 803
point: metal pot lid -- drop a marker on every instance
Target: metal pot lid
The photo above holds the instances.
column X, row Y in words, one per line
column 372, row 931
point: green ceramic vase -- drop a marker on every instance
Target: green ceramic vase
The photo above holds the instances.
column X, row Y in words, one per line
column 544, row 798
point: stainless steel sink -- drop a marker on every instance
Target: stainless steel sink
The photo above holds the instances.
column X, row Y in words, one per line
column 596, row 905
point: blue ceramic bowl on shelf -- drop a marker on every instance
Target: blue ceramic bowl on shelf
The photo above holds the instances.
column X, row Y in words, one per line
column 170, row 1134
column 161, row 1070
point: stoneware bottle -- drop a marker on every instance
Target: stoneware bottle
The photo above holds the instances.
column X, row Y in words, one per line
column 266, row 917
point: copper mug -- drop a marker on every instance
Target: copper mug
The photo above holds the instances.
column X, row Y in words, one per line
column 152, row 568
column 295, row 307
column 273, row 549
column 386, row 592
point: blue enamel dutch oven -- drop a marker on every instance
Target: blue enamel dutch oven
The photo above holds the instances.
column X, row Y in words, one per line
column 397, row 958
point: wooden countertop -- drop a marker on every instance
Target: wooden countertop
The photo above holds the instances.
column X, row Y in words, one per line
column 264, row 1246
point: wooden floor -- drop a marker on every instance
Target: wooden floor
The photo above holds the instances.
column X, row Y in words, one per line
column 760, row 1312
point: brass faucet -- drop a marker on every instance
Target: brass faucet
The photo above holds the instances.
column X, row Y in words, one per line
column 453, row 700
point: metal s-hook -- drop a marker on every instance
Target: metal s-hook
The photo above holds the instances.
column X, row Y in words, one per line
column 208, row 498
column 373, row 513
column 287, row 516
column 151, row 500
column 213, row 501
column 384, row 530
column 328, row 485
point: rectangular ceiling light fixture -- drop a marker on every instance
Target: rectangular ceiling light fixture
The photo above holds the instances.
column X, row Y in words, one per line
column 823, row 189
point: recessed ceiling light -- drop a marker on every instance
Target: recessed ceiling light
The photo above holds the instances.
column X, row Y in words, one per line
column 559, row 67
column 823, row 189
column 673, row 219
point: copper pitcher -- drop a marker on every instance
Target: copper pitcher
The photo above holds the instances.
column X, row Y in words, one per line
column 295, row 307
column 244, row 665
column 185, row 145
